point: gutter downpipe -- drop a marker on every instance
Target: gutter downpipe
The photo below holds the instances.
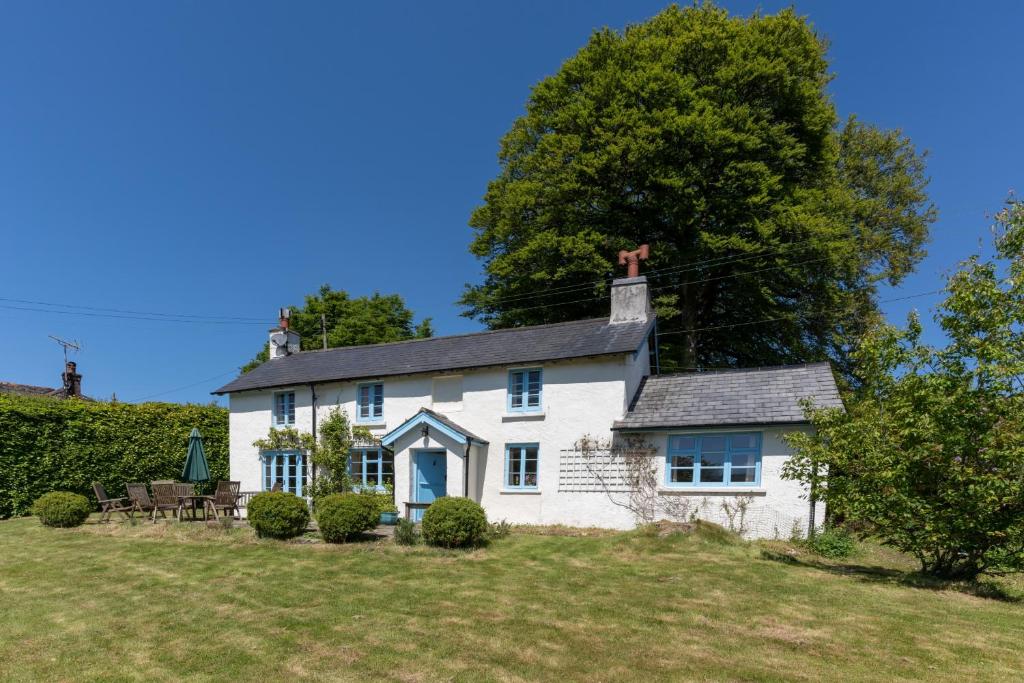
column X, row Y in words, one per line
column 465, row 470
column 312, row 466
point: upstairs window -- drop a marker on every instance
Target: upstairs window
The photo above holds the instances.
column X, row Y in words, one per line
column 370, row 402
column 714, row 460
column 521, row 465
column 371, row 467
column 524, row 390
column 284, row 409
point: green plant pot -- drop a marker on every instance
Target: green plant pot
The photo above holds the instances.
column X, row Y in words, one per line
column 389, row 518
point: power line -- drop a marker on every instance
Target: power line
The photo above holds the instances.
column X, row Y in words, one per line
column 694, row 265
column 182, row 388
column 120, row 310
column 785, row 317
column 688, row 267
column 672, row 286
column 131, row 317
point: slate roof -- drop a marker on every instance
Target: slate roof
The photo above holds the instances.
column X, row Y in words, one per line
column 512, row 346
column 731, row 397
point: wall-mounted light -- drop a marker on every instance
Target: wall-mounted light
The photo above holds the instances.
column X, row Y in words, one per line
column 425, row 431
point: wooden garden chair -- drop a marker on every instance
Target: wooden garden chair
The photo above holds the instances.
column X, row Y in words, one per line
column 184, row 489
column 140, row 497
column 165, row 497
column 226, row 497
column 110, row 505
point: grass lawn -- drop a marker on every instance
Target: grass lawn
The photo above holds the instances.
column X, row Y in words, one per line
column 168, row 602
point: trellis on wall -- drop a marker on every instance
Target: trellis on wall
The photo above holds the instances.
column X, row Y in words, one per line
column 592, row 471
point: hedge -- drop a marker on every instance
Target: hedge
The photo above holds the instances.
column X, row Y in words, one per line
column 48, row 444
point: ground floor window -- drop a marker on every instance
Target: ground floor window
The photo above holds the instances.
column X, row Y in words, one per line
column 372, row 467
column 285, row 470
column 521, row 465
column 714, row 459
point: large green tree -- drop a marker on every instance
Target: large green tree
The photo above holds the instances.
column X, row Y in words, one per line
column 929, row 455
column 350, row 322
column 712, row 138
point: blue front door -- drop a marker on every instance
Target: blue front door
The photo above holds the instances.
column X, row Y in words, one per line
column 431, row 478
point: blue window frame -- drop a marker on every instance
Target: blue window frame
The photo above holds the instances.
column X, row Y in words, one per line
column 525, row 388
column 521, row 461
column 284, row 409
column 713, row 459
column 369, row 402
column 287, row 468
column 371, row 467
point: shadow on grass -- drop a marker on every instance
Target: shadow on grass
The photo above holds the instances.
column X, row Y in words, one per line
column 877, row 574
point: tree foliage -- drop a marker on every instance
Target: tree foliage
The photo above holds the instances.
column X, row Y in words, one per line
column 350, row 322
column 712, row 138
column 930, row 455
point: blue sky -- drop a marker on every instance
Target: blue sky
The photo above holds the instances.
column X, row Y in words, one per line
column 221, row 159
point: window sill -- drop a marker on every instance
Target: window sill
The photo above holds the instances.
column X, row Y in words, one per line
column 713, row 491
column 522, row 417
column 520, row 492
column 375, row 424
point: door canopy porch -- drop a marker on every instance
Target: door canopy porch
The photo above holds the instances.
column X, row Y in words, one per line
column 427, row 419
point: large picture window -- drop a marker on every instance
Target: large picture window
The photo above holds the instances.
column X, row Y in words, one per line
column 370, row 403
column 284, row 409
column 524, row 390
column 371, row 467
column 286, row 469
column 714, row 460
column 521, row 461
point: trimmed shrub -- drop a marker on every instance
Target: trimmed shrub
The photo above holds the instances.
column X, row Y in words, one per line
column 384, row 500
column 834, row 542
column 62, row 509
column 343, row 515
column 278, row 514
column 54, row 445
column 454, row 523
column 405, row 532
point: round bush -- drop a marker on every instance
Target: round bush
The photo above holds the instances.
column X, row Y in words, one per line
column 62, row 509
column 454, row 523
column 342, row 516
column 278, row 514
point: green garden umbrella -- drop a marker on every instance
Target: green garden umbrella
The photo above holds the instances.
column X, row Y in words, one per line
column 196, row 468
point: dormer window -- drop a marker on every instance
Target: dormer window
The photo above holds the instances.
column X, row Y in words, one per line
column 284, row 409
column 370, row 402
column 524, row 390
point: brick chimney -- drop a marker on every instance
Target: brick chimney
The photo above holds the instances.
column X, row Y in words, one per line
column 72, row 381
column 631, row 298
column 283, row 340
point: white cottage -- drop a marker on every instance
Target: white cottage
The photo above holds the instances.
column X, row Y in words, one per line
column 498, row 417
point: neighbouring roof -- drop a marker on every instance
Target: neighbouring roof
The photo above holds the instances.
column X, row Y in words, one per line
column 731, row 397
column 437, row 421
column 30, row 390
column 512, row 346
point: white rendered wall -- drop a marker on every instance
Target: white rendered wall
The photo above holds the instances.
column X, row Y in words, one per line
column 581, row 397
column 775, row 506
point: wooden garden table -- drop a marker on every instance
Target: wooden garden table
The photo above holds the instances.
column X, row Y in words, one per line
column 192, row 499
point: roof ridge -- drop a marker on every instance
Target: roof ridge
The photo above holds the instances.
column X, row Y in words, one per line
column 30, row 386
column 758, row 368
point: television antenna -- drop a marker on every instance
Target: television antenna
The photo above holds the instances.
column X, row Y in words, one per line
column 66, row 345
